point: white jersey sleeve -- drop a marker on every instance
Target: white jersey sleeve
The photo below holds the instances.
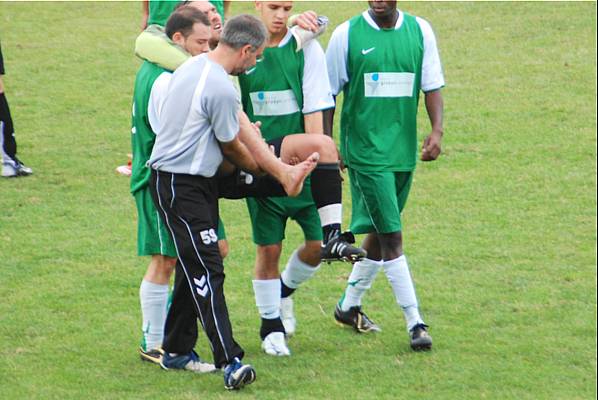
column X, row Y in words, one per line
column 156, row 100
column 316, row 86
column 336, row 58
column 432, row 76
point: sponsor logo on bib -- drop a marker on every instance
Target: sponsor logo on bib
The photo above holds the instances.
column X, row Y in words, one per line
column 389, row 84
column 280, row 102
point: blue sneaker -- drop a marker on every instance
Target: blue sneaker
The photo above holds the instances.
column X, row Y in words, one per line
column 190, row 362
column 237, row 375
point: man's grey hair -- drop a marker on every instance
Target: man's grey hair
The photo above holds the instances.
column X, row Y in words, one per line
column 242, row 30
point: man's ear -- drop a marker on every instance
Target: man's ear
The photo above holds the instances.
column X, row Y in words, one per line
column 178, row 38
column 245, row 50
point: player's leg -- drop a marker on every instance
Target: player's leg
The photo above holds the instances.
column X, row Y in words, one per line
column 153, row 239
column 300, row 267
column 11, row 165
column 348, row 311
column 266, row 287
column 326, row 190
column 222, row 242
column 305, row 261
column 268, row 221
column 397, row 271
column 190, row 209
column 290, row 176
column 153, row 297
column 374, row 208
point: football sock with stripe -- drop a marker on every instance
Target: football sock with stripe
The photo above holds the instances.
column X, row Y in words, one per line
column 326, row 190
column 267, row 300
column 154, row 304
column 397, row 272
column 363, row 274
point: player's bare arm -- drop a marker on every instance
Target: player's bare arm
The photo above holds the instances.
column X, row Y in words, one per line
column 431, row 148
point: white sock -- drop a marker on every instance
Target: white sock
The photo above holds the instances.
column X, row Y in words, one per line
column 296, row 271
column 397, row 272
column 331, row 214
column 267, row 297
column 363, row 274
column 154, row 301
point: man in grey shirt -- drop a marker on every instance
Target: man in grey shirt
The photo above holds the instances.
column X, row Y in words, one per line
column 199, row 125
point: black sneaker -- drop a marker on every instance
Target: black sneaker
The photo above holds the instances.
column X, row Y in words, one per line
column 356, row 319
column 420, row 338
column 153, row 355
column 341, row 248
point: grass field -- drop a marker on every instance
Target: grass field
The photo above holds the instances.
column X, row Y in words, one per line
column 500, row 232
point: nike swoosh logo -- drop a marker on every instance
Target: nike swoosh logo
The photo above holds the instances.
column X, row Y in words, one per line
column 364, row 51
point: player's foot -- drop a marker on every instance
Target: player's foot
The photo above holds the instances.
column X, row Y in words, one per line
column 293, row 177
column 275, row 345
column 288, row 316
column 15, row 169
column 190, row 362
column 153, row 355
column 237, row 375
column 356, row 319
column 420, row 338
column 341, row 248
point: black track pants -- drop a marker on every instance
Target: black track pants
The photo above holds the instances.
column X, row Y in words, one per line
column 189, row 206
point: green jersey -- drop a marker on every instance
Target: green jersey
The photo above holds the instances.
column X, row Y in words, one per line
column 378, row 120
column 142, row 138
column 160, row 10
column 272, row 93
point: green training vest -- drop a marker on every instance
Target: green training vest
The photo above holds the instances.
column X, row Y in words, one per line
column 142, row 136
column 272, row 91
column 379, row 115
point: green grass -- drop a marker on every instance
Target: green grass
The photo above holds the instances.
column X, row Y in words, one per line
column 500, row 232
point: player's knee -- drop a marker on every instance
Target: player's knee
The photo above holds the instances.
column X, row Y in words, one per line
column 267, row 260
column 223, row 248
column 165, row 264
column 311, row 253
column 326, row 148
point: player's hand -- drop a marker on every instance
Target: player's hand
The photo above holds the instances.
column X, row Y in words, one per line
column 431, row 148
column 1, row 85
column 307, row 20
column 143, row 23
column 256, row 127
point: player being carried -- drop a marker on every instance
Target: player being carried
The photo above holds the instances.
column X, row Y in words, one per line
column 325, row 186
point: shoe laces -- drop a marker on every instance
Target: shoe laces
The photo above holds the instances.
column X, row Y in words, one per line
column 233, row 366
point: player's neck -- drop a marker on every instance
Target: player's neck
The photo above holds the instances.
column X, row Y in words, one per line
column 221, row 55
column 276, row 38
column 387, row 21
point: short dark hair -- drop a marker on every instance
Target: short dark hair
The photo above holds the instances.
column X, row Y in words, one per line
column 183, row 19
column 242, row 30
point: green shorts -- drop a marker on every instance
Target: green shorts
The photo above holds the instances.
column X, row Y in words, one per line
column 153, row 237
column 269, row 217
column 378, row 198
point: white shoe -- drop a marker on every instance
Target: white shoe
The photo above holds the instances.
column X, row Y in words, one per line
column 288, row 316
column 15, row 169
column 275, row 345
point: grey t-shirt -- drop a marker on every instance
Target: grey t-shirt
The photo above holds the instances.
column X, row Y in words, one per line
column 200, row 110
